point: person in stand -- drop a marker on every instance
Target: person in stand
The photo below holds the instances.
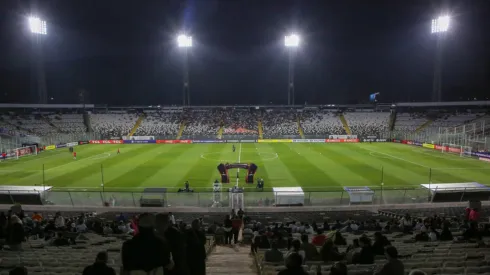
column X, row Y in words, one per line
column 100, row 266
column 196, row 253
column 118, row 152
column 74, row 155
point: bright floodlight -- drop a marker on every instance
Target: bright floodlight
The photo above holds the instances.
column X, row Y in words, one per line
column 291, row 40
column 440, row 24
column 37, row 25
column 184, row 41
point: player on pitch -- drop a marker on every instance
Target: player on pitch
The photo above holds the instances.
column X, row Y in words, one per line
column 74, row 155
column 118, row 152
column 233, row 148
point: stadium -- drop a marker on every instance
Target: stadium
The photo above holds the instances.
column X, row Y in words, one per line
column 243, row 182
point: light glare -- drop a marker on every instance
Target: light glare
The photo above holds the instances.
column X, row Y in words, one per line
column 440, row 24
column 37, row 25
column 184, row 41
column 291, row 40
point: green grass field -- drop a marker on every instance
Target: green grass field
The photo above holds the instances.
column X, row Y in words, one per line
column 313, row 166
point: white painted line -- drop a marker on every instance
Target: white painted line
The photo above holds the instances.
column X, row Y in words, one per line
column 395, row 157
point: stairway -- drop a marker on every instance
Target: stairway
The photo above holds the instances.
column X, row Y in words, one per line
column 300, row 130
column 423, row 126
column 261, row 130
column 220, row 131
column 346, row 125
column 392, row 120
column 231, row 261
column 181, row 129
column 137, row 125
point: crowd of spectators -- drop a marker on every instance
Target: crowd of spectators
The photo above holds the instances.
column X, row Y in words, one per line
column 159, row 124
column 161, row 245
column 277, row 123
column 368, row 123
column 68, row 123
column 202, row 123
column 240, row 122
column 114, row 124
column 319, row 123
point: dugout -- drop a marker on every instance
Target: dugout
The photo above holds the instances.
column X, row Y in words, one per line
column 153, row 197
column 28, row 195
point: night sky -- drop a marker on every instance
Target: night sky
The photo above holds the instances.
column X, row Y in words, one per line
column 124, row 52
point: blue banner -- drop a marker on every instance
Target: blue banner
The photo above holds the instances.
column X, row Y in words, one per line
column 139, row 141
column 61, row 146
column 481, row 155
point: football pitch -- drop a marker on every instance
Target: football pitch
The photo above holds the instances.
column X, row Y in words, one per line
column 312, row 166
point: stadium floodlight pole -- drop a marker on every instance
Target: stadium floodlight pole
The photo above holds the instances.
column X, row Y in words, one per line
column 185, row 42
column 39, row 31
column 291, row 42
column 439, row 27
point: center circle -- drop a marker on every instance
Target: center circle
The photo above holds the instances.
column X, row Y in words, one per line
column 233, row 157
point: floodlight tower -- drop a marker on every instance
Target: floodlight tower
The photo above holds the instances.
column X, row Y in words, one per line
column 291, row 42
column 439, row 27
column 38, row 30
column 185, row 42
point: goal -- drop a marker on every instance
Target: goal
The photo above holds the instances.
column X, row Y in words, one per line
column 17, row 153
column 463, row 151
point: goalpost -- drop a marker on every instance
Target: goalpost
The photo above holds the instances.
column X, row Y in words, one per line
column 17, row 153
column 463, row 151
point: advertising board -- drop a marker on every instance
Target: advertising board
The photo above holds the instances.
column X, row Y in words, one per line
column 61, row 145
column 351, row 140
column 71, row 144
column 105, row 141
column 275, row 140
column 50, row 147
column 83, row 142
column 428, row 145
column 309, row 140
column 138, row 138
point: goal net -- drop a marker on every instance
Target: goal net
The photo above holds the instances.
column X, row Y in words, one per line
column 17, row 153
column 463, row 151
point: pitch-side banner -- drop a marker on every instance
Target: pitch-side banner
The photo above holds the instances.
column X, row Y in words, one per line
column 428, row 145
column 248, row 141
column 209, row 141
column 71, row 144
column 374, row 140
column 484, row 159
column 481, row 154
column 275, row 140
column 139, row 141
column 106, row 142
column 350, row 140
column 138, row 138
column 309, row 140
column 50, row 147
column 173, row 141
column 83, row 142
column 61, row 145
column 342, row 137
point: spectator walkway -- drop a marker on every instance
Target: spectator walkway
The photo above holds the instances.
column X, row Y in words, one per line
column 231, row 260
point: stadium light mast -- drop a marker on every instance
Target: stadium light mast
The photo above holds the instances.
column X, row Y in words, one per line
column 185, row 42
column 439, row 28
column 39, row 31
column 291, row 42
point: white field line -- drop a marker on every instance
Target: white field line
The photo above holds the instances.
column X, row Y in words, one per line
column 395, row 157
column 239, row 158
